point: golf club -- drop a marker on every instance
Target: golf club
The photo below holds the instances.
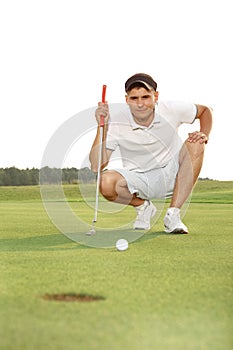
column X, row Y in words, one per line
column 92, row 231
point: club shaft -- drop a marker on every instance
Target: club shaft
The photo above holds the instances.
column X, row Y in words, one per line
column 99, row 159
column 98, row 175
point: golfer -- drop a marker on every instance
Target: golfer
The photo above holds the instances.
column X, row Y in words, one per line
column 156, row 163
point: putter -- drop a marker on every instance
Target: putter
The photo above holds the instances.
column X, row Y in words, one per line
column 92, row 230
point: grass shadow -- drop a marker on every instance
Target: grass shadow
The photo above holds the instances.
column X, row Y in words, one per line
column 52, row 242
column 149, row 236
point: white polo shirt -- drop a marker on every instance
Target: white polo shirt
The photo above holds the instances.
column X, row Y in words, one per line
column 146, row 148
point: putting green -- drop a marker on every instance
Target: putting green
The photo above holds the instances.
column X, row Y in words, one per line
column 74, row 218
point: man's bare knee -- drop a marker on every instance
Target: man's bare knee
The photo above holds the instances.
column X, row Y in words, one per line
column 192, row 151
column 108, row 185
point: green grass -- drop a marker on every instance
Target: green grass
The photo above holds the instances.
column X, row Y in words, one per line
column 213, row 192
column 165, row 292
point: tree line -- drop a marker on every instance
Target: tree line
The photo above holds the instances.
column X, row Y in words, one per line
column 26, row 177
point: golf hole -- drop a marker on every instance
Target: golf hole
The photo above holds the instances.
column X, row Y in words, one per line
column 72, row 297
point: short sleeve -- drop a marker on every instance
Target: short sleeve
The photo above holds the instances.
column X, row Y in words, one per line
column 111, row 140
column 184, row 112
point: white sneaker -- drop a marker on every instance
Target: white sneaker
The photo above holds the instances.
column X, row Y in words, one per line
column 173, row 223
column 144, row 213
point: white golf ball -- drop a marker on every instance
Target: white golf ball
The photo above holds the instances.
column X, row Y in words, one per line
column 122, row 244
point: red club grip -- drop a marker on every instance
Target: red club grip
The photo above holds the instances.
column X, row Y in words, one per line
column 103, row 100
column 104, row 93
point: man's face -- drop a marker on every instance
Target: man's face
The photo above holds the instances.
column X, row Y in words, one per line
column 141, row 103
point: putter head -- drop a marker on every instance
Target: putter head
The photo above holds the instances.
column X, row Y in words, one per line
column 91, row 232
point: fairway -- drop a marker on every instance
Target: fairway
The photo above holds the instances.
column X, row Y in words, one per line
column 166, row 292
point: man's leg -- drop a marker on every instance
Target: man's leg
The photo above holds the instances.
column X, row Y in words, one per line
column 190, row 163
column 114, row 188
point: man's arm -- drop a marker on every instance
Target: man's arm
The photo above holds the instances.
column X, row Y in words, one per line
column 102, row 110
column 204, row 114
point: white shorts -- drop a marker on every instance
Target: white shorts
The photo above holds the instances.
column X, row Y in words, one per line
column 157, row 183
